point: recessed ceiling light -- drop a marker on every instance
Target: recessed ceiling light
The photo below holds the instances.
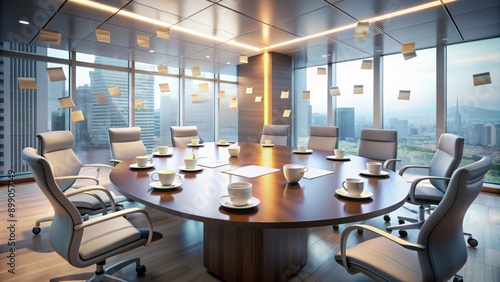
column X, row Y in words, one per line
column 325, row 55
column 228, row 63
column 24, row 22
column 151, row 51
column 208, row 57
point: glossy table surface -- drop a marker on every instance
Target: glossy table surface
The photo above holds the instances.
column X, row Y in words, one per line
column 311, row 202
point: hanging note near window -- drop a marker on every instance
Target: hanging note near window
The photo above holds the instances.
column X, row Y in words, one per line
column 481, row 78
column 56, row 74
column 26, row 82
column 195, row 71
column 164, row 87
column 334, row 91
column 285, row 94
column 233, row 104
column 367, row 64
column 77, row 116
column 404, row 95
column 50, row 37
column 203, row 87
column 138, row 104
column 163, row 32
column 408, row 51
column 162, row 69
column 358, row 89
column 258, row 99
column 143, row 41
column 321, row 71
column 103, row 35
column 195, row 98
column 249, row 90
column 114, row 91
column 306, row 95
column 101, row 98
column 361, row 31
column 66, row 102
column 286, row 113
column 221, row 94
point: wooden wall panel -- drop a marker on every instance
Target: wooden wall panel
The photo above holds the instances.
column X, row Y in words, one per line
column 250, row 113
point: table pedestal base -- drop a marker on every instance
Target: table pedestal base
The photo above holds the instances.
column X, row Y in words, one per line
column 253, row 254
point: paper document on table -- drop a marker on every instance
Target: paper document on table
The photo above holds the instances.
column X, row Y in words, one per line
column 316, row 172
column 251, row 171
column 213, row 164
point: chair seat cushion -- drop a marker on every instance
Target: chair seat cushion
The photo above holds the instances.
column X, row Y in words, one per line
column 427, row 195
column 107, row 236
column 382, row 259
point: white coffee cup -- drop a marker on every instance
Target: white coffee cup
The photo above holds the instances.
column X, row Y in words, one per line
column 222, row 141
column 268, row 141
column 339, row 153
column 190, row 162
column 143, row 161
column 162, row 150
column 195, row 141
column 294, row 172
column 353, row 186
column 239, row 193
column 234, row 150
column 374, row 167
column 166, row 177
column 302, row 148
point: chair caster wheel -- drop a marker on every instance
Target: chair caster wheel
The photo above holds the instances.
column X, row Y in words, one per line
column 472, row 242
column 458, row 279
column 36, row 230
column 403, row 233
column 335, row 227
column 401, row 221
column 141, row 269
column 360, row 231
column 387, row 218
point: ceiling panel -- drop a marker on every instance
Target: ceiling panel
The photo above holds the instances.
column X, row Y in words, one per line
column 258, row 23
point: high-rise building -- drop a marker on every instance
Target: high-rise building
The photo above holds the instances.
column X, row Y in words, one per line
column 24, row 111
column 345, row 121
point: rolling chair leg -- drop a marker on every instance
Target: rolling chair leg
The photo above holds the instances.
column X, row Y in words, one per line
column 470, row 240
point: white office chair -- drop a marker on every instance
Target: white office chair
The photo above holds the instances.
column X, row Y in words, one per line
column 70, row 173
column 182, row 135
column 439, row 252
column 125, row 143
column 324, row 138
column 278, row 134
column 83, row 243
column 445, row 161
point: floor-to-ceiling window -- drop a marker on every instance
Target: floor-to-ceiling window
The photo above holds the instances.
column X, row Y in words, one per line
column 228, row 109
column 409, row 99
column 311, row 101
column 355, row 103
column 473, row 86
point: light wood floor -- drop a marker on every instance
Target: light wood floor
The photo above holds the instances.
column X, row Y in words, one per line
column 179, row 255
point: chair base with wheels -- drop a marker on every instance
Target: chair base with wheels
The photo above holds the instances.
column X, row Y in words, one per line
column 104, row 274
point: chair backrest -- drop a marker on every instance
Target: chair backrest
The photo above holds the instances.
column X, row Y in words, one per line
column 62, row 236
column 379, row 145
column 323, row 138
column 126, row 143
column 56, row 147
column 442, row 232
column 447, row 158
column 182, row 135
column 278, row 134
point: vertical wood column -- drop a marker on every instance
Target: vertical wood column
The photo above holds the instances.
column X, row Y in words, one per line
column 268, row 75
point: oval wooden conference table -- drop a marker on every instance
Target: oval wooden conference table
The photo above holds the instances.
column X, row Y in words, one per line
column 267, row 242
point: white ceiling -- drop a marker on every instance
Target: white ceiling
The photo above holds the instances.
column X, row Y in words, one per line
column 259, row 23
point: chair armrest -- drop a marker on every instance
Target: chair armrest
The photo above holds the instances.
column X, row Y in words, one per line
column 110, row 216
column 389, row 161
column 343, row 241
column 404, row 168
column 414, row 183
column 98, row 165
column 115, row 161
column 76, row 177
column 88, row 190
